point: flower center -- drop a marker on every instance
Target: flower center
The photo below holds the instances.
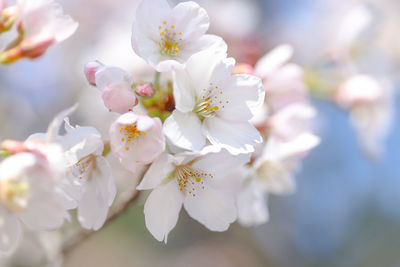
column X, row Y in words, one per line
column 169, row 44
column 189, row 179
column 14, row 194
column 212, row 99
column 130, row 133
column 83, row 167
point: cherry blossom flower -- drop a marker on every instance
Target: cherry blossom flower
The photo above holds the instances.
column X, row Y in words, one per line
column 116, row 87
column 87, row 183
column 136, row 139
column 27, row 195
column 284, row 80
column 195, row 181
column 40, row 24
column 167, row 37
column 90, row 181
column 213, row 105
column 291, row 121
column 271, row 173
column 44, row 20
column 370, row 103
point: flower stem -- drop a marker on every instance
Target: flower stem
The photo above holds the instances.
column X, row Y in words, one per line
column 157, row 80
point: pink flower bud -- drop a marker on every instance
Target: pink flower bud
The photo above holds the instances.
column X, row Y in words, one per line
column 243, row 68
column 146, row 90
column 119, row 98
column 90, row 71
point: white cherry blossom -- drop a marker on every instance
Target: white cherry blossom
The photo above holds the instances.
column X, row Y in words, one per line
column 87, row 183
column 370, row 102
column 271, row 173
column 213, row 105
column 27, row 195
column 90, row 181
column 195, row 181
column 167, row 37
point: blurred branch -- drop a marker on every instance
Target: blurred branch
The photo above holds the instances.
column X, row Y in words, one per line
column 82, row 235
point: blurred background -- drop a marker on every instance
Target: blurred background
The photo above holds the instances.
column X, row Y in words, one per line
column 346, row 209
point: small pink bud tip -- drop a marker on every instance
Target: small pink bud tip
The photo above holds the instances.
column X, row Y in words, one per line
column 145, row 90
column 90, row 71
column 243, row 68
column 12, row 146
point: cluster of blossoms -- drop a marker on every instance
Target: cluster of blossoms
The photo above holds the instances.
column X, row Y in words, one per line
column 218, row 148
column 363, row 90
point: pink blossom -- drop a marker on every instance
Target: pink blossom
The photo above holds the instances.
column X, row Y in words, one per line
column 116, row 87
column 136, row 139
column 90, row 71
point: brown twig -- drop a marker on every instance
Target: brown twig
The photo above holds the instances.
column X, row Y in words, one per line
column 80, row 236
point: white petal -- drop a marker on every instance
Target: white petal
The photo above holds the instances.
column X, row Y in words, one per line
column 109, row 75
column 279, row 150
column 242, row 97
column 46, row 18
column 252, row 206
column 184, row 130
column 235, row 137
column 190, row 19
column 37, row 136
column 273, row 60
column 100, row 191
column 208, row 42
column 10, row 233
column 183, row 91
column 81, row 142
column 200, row 66
column 214, row 209
column 145, row 123
column 149, row 15
column 162, row 209
column 276, row 178
column 105, row 180
column 54, row 127
column 93, row 208
column 44, row 212
column 220, row 163
column 146, row 47
column 157, row 172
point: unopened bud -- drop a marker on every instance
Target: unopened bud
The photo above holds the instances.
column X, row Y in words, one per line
column 90, row 71
column 145, row 90
column 7, row 16
column 243, row 68
column 13, row 146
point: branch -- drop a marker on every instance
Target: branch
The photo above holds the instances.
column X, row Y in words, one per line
column 80, row 236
